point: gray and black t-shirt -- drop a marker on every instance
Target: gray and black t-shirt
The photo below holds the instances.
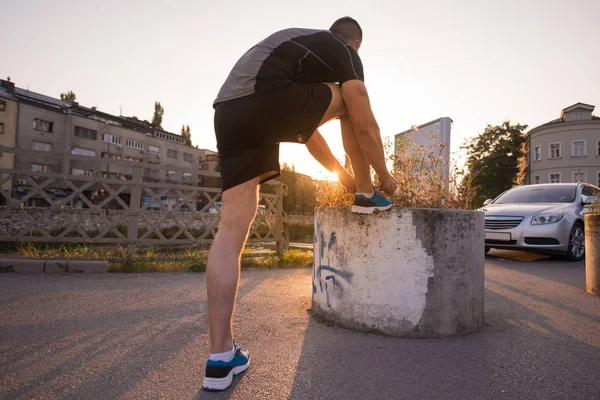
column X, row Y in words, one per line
column 297, row 54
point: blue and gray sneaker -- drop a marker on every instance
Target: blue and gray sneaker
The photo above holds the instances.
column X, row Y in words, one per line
column 219, row 374
column 366, row 205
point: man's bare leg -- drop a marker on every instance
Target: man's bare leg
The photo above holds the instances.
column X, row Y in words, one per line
column 360, row 167
column 223, row 269
column 222, row 272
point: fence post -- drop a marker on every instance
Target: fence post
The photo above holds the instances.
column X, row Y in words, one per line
column 135, row 202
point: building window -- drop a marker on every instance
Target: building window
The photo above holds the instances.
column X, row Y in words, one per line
column 112, row 139
column 154, row 149
column 598, row 182
column 134, row 144
column 554, row 150
column 537, row 179
column 40, row 168
column 133, row 159
column 83, row 152
column 578, row 116
column 151, row 180
column 1, row 128
column 579, row 177
column 187, row 157
column 44, row 126
column 111, row 175
column 2, row 105
column 171, row 153
column 598, row 148
column 578, row 148
column 38, row 146
column 86, row 133
column 111, row 156
column 537, row 153
column 82, row 172
column 554, row 178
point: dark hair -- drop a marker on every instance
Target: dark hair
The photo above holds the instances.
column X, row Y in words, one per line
column 347, row 28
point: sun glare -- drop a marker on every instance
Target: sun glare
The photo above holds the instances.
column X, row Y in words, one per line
column 328, row 176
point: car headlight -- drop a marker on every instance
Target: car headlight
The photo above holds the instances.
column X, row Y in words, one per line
column 547, row 219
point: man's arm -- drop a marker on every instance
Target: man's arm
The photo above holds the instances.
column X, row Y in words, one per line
column 318, row 148
column 366, row 129
column 365, row 126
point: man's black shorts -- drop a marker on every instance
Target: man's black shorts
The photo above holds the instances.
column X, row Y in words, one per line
column 249, row 129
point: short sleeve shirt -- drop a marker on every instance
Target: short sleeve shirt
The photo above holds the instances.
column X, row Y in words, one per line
column 297, row 54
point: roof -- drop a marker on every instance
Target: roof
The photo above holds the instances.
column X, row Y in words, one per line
column 43, row 101
column 583, row 106
column 40, row 97
column 576, row 106
column 6, row 94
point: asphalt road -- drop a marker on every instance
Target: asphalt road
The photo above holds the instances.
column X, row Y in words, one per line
column 145, row 336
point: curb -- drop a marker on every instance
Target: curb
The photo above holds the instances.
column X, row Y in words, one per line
column 24, row 266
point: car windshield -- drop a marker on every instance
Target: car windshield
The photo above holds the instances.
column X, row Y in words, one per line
column 538, row 194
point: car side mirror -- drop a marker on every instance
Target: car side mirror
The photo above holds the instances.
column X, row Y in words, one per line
column 487, row 202
column 587, row 200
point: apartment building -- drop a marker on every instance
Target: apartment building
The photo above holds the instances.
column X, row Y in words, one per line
column 50, row 131
column 566, row 149
column 209, row 162
column 8, row 131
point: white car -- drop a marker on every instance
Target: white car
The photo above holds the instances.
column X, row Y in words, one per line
column 546, row 218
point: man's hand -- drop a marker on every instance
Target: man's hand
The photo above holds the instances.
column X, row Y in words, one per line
column 388, row 184
column 318, row 148
column 347, row 181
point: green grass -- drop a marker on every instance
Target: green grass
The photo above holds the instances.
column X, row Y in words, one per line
column 159, row 260
column 195, row 261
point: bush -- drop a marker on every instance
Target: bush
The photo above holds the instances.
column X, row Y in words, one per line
column 422, row 180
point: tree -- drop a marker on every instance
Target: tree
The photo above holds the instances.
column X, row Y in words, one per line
column 302, row 192
column 69, row 96
column 523, row 169
column 493, row 160
column 186, row 132
column 159, row 111
column 290, row 179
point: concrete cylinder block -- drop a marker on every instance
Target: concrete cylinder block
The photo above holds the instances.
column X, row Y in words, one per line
column 402, row 272
column 592, row 254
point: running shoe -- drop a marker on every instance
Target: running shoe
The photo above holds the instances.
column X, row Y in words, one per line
column 219, row 374
column 366, row 205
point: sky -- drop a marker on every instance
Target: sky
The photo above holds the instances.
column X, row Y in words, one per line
column 477, row 62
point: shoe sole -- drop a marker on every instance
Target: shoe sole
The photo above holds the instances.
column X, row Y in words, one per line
column 219, row 384
column 368, row 210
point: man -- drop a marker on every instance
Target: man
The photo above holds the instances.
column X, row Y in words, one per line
column 281, row 91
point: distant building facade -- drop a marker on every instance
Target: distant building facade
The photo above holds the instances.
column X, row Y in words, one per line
column 566, row 149
column 8, row 130
column 50, row 130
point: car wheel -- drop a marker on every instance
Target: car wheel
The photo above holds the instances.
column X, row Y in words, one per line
column 487, row 249
column 576, row 250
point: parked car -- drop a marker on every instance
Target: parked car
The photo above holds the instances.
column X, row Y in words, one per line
column 216, row 209
column 545, row 218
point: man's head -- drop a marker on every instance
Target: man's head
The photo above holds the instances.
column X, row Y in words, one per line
column 349, row 30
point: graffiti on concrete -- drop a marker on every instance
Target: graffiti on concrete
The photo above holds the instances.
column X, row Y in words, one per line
column 327, row 279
